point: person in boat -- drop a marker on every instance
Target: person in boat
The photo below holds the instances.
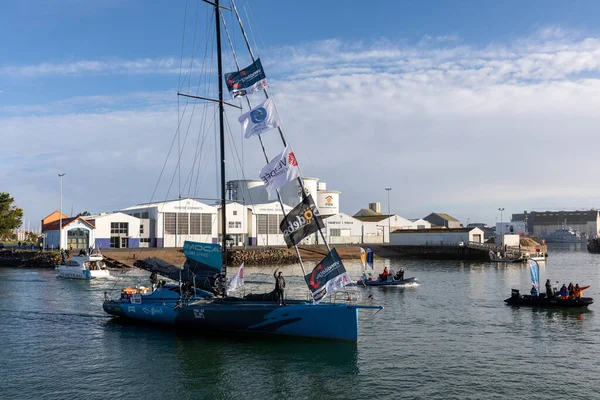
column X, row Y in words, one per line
column 578, row 291
column 548, row 289
column 279, row 287
column 81, row 252
column 533, row 291
column 564, row 292
column 383, row 276
column 400, row 275
column 153, row 280
column 571, row 290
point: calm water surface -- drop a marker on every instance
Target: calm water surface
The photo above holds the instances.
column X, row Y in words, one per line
column 450, row 337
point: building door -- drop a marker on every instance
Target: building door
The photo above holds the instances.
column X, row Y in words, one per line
column 78, row 238
column 477, row 238
column 115, row 242
column 124, row 242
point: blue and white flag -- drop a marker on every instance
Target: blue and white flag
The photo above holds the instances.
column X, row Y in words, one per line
column 281, row 170
column 534, row 270
column 370, row 257
column 260, row 119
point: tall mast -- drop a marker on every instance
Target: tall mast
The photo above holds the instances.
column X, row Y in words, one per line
column 222, row 143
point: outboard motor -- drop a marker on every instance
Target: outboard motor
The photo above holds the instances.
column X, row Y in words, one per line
column 514, row 293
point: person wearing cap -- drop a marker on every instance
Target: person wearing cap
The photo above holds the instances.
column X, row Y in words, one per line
column 279, row 287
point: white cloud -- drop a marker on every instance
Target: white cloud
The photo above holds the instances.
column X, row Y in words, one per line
column 449, row 127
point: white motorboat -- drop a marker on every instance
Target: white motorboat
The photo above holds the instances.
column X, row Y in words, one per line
column 84, row 267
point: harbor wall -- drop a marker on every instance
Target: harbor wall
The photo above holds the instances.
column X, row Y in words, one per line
column 29, row 259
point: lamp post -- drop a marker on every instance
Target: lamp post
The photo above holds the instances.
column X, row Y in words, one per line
column 389, row 218
column 60, row 175
column 501, row 209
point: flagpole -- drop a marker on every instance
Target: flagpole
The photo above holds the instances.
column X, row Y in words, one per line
column 281, row 135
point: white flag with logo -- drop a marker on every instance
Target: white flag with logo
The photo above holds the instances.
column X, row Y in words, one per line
column 281, row 170
column 237, row 280
column 260, row 119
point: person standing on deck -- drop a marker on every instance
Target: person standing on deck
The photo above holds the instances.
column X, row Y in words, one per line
column 279, row 287
column 548, row 289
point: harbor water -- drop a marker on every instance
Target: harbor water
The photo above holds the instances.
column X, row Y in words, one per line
column 450, row 337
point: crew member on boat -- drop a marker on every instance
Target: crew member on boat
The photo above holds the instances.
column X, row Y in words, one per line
column 279, row 287
column 571, row 290
column 564, row 292
column 383, row 276
column 548, row 289
column 534, row 292
column 578, row 291
column 153, row 280
column 400, row 275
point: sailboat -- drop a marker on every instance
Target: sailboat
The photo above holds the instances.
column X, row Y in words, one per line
column 203, row 306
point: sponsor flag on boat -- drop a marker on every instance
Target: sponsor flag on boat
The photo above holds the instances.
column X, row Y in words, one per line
column 534, row 270
column 237, row 280
column 327, row 277
column 260, row 119
column 303, row 220
column 246, row 81
column 281, row 170
column 363, row 257
column 370, row 257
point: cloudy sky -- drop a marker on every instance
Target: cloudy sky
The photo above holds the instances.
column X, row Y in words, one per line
column 459, row 107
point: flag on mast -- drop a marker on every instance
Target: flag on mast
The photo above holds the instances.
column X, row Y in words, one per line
column 327, row 277
column 534, row 270
column 246, row 81
column 303, row 220
column 363, row 257
column 260, row 119
column 281, row 170
column 237, row 280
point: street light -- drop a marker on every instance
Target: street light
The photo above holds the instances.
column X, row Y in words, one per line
column 389, row 217
column 501, row 226
column 60, row 175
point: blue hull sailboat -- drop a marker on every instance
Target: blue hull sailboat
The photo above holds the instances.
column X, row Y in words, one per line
column 201, row 304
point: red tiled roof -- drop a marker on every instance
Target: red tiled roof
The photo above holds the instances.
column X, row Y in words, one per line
column 55, row 225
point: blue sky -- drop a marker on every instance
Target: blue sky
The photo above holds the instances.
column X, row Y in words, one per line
column 440, row 100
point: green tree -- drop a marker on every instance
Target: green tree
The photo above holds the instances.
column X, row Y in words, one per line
column 11, row 216
column 84, row 214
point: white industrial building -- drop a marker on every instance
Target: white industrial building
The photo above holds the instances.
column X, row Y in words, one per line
column 239, row 223
column 171, row 223
column 435, row 236
column 117, row 230
column 265, row 221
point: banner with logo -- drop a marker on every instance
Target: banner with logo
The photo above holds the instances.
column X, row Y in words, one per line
column 260, row 119
column 534, row 270
column 237, row 280
column 303, row 220
column 327, row 277
column 246, row 81
column 281, row 170
column 205, row 253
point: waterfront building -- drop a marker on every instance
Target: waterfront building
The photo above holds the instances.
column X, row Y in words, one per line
column 443, row 220
column 171, row 223
column 117, row 230
column 77, row 233
column 264, row 225
column 543, row 223
column 505, row 232
column 435, row 236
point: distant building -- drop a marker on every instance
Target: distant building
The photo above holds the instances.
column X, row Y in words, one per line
column 117, row 230
column 76, row 232
column 436, row 236
column 542, row 223
column 443, row 220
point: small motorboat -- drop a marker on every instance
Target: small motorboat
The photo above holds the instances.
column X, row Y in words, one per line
column 390, row 281
column 85, row 267
column 516, row 299
column 507, row 257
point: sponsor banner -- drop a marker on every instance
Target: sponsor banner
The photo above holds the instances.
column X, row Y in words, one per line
column 327, row 277
column 370, row 257
column 281, row 170
column 303, row 220
column 205, row 253
column 363, row 257
column 246, row 81
column 237, row 280
column 534, row 270
column 260, row 119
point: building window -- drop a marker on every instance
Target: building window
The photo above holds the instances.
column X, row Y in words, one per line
column 234, row 212
column 335, row 232
column 145, row 240
column 137, row 215
column 119, row 228
column 195, row 224
column 182, row 223
column 141, row 229
column 261, row 222
column 170, row 223
column 145, row 215
column 206, row 224
column 234, row 224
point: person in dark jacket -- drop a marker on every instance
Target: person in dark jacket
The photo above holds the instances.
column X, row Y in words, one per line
column 549, row 294
column 279, row 287
column 564, row 292
column 571, row 290
column 533, row 291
